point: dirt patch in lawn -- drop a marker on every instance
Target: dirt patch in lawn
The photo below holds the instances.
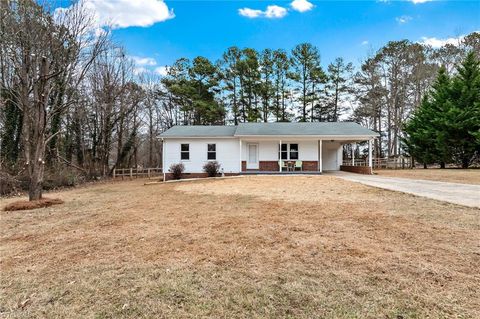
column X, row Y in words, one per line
column 254, row 247
column 464, row 176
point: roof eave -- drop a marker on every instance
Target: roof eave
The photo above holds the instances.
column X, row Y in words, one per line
column 323, row 136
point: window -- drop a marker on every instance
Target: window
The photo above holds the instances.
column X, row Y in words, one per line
column 185, row 152
column 294, row 151
column 284, row 152
column 288, row 152
column 212, row 152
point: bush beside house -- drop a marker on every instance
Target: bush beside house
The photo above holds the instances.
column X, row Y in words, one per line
column 212, row 168
column 177, row 170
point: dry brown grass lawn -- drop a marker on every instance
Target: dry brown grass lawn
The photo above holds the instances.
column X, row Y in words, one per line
column 254, row 247
column 465, row 176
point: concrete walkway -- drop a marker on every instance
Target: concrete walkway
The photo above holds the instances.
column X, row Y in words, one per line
column 462, row 194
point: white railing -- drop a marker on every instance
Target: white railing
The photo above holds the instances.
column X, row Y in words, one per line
column 391, row 163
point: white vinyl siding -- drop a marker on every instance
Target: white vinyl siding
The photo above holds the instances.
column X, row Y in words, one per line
column 226, row 153
column 332, row 154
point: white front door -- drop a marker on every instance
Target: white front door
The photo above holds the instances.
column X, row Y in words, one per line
column 252, row 156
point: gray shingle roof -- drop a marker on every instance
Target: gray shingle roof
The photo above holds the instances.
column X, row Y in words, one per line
column 271, row 129
column 304, row 128
column 200, row 131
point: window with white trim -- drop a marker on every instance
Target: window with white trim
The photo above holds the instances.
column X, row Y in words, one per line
column 212, row 152
column 185, row 152
column 293, row 151
column 288, row 151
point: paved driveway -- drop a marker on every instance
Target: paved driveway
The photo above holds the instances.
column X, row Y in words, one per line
column 462, row 194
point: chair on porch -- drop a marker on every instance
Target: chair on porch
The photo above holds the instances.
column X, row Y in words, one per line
column 282, row 165
column 298, row 164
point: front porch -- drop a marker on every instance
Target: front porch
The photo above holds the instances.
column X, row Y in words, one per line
column 295, row 156
column 258, row 172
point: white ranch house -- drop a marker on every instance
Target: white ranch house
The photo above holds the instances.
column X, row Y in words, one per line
column 263, row 147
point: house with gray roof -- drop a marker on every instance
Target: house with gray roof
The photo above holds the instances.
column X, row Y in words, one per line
column 303, row 147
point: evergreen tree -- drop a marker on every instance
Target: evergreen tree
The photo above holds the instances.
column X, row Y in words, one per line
column 281, row 67
column 305, row 60
column 462, row 120
column 446, row 126
column 339, row 74
column 420, row 142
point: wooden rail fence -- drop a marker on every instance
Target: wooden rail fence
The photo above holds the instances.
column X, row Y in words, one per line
column 391, row 163
column 137, row 172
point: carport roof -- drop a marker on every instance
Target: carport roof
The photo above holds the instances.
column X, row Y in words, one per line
column 270, row 129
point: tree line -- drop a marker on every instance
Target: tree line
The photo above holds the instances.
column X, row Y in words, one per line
column 74, row 104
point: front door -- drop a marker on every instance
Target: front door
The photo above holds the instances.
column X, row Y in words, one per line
column 252, row 156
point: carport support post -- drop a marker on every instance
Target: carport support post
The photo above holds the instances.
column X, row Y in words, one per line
column 240, row 155
column 353, row 154
column 163, row 160
column 280, row 156
column 320, row 164
column 370, row 159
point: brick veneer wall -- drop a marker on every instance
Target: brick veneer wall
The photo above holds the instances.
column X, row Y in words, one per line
column 272, row 166
column 367, row 170
column 310, row 166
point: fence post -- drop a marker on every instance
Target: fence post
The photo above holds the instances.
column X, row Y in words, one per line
column 148, row 170
column 131, row 172
column 114, row 173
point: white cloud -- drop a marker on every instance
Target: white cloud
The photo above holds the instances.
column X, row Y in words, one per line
column 143, row 61
column 420, row 1
column 301, row 5
column 128, row 13
column 437, row 43
column 162, row 70
column 139, row 70
column 364, row 42
column 272, row 11
column 403, row 19
column 275, row 12
column 250, row 13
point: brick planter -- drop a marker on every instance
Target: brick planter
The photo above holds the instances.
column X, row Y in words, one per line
column 367, row 170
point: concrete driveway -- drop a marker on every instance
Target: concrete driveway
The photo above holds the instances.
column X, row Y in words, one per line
column 462, row 194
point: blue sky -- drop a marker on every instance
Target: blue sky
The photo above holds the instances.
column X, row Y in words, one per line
column 161, row 32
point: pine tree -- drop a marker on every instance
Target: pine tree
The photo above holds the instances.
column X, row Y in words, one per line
column 421, row 136
column 446, row 126
column 462, row 120
column 426, row 141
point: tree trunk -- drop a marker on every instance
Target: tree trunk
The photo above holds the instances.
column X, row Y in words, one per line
column 36, row 181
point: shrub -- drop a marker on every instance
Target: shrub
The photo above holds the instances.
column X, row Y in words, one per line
column 211, row 168
column 177, row 170
column 59, row 177
column 8, row 184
